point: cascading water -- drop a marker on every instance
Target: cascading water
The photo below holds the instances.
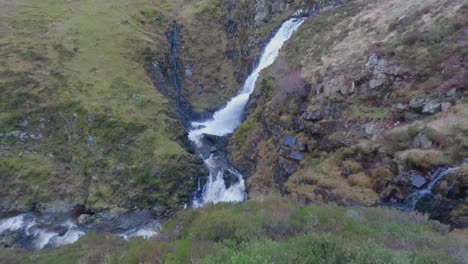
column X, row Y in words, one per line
column 227, row 119
column 412, row 201
column 55, row 228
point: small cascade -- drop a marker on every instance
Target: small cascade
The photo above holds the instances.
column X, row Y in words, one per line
column 412, row 201
column 226, row 120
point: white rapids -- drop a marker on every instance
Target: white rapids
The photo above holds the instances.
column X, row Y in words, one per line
column 39, row 237
column 228, row 118
column 35, row 232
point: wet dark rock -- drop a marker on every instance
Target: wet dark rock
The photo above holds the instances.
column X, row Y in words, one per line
column 213, row 149
column 231, row 28
column 233, row 54
column 230, row 178
column 287, row 167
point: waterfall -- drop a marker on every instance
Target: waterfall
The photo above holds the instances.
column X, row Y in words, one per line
column 227, row 119
column 412, row 201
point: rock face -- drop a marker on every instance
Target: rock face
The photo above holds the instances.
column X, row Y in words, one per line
column 369, row 122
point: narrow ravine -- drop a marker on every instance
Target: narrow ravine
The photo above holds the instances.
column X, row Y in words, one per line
column 53, row 228
column 224, row 183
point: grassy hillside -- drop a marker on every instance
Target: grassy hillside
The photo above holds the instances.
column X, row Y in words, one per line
column 80, row 120
column 271, row 231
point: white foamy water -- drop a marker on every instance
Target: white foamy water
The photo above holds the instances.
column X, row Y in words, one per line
column 227, row 119
column 39, row 237
column 215, row 190
column 11, row 224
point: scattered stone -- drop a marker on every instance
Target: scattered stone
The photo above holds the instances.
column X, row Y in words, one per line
column 417, row 104
column 373, row 60
column 379, row 81
column 421, row 141
column 85, row 219
column 452, row 92
column 315, row 115
column 289, row 141
column 432, row 108
column 400, row 107
column 295, row 155
column 445, row 106
column 261, row 12
column 372, row 128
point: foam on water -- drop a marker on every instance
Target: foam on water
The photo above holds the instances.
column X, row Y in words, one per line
column 225, row 120
column 11, row 224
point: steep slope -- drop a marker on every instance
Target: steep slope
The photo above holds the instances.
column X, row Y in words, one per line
column 87, row 117
column 364, row 98
column 81, row 122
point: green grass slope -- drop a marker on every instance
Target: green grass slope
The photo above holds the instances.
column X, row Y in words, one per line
column 271, row 231
column 80, row 120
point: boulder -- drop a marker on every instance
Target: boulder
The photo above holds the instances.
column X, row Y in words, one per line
column 417, row 180
column 372, row 61
column 378, row 81
column 294, row 155
column 421, row 141
column 399, row 107
column 261, row 12
column 432, row 108
column 85, row 219
column 315, row 115
column 213, row 149
column 417, row 104
column 289, row 141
